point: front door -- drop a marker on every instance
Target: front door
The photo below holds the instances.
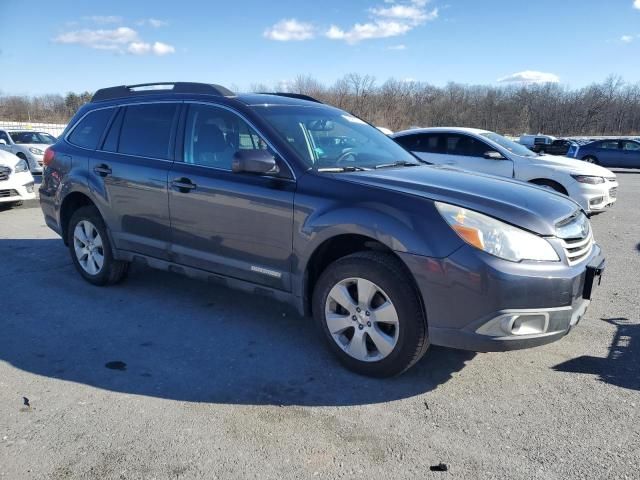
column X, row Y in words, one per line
column 235, row 224
column 467, row 153
column 630, row 154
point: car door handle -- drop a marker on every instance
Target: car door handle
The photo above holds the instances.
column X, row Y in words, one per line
column 183, row 185
column 102, row 170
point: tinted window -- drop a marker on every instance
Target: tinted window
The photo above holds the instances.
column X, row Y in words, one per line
column 422, row 142
column 89, row 130
column 5, row 137
column 146, row 130
column 631, row 146
column 111, row 142
column 213, row 135
column 466, row 146
column 612, row 145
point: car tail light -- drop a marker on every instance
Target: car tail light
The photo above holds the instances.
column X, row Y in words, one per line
column 49, row 154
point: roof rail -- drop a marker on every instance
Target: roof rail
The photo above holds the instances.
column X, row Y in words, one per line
column 124, row 91
column 299, row 96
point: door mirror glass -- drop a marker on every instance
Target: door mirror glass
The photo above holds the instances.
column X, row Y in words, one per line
column 493, row 155
column 260, row 162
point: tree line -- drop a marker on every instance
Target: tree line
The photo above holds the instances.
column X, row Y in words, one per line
column 611, row 107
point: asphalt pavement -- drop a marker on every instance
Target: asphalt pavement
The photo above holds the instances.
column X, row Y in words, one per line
column 163, row 377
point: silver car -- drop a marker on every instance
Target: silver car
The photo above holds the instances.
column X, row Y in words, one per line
column 29, row 145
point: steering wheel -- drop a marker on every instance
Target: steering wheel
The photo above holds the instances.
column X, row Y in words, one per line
column 349, row 152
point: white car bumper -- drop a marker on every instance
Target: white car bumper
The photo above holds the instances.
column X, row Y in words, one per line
column 595, row 198
column 18, row 187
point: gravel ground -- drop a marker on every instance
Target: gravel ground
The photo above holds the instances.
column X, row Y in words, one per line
column 164, row 377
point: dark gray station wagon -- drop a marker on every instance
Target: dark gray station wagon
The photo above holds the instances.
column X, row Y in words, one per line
column 283, row 195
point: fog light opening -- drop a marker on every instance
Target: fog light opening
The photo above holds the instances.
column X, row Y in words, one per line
column 529, row 324
column 596, row 200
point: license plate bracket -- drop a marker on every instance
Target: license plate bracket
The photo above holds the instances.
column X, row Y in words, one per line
column 594, row 272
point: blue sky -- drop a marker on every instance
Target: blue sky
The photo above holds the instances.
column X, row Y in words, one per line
column 83, row 45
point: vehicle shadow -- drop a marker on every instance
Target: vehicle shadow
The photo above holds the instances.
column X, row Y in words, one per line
column 620, row 367
column 166, row 336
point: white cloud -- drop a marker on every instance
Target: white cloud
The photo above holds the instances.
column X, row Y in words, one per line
column 393, row 21
column 120, row 40
column 627, row 38
column 397, row 47
column 104, row 19
column 530, row 76
column 99, row 39
column 290, row 29
column 153, row 22
column 636, row 4
column 157, row 48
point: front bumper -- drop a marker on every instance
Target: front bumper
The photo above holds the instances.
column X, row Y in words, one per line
column 19, row 187
column 475, row 301
column 36, row 162
column 594, row 198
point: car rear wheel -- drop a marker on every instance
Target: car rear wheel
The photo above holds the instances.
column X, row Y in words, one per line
column 90, row 249
column 590, row 159
column 370, row 314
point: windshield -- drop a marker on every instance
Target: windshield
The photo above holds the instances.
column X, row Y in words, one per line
column 32, row 137
column 510, row 145
column 332, row 140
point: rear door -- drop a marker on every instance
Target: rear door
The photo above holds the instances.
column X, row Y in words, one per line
column 630, row 154
column 129, row 174
column 236, row 224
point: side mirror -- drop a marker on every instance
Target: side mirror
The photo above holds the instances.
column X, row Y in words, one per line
column 493, row 155
column 260, row 162
column 3, row 141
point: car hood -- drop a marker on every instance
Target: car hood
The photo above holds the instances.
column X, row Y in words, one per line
column 8, row 159
column 518, row 203
column 571, row 165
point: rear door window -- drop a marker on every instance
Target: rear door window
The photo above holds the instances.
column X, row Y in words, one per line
column 610, row 145
column 147, row 130
column 89, row 130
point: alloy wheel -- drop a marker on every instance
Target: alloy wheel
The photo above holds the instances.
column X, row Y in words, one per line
column 88, row 247
column 362, row 319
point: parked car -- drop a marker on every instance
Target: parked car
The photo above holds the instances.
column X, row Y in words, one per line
column 16, row 182
column 28, row 145
column 530, row 141
column 609, row 153
column 592, row 186
column 311, row 205
column 557, row 147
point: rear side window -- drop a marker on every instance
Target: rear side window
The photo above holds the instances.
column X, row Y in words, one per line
column 146, row 130
column 609, row 145
column 88, row 131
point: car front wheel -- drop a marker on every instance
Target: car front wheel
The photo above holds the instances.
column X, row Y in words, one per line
column 370, row 314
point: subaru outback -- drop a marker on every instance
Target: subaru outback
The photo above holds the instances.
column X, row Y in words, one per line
column 286, row 196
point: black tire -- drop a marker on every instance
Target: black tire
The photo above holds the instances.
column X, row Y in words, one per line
column 591, row 159
column 551, row 185
column 112, row 271
column 385, row 271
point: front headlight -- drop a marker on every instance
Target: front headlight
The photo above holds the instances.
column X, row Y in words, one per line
column 36, row 151
column 495, row 237
column 588, row 179
column 22, row 166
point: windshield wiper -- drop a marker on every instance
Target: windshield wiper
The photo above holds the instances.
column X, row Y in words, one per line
column 401, row 163
column 343, row 169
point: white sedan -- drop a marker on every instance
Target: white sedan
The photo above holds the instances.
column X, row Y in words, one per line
column 593, row 187
column 28, row 145
column 16, row 182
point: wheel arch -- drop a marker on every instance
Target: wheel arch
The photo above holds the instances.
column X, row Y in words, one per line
column 71, row 203
column 342, row 245
column 559, row 187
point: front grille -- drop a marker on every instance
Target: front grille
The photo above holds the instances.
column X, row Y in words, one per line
column 576, row 237
column 613, row 193
column 8, row 193
column 4, row 173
